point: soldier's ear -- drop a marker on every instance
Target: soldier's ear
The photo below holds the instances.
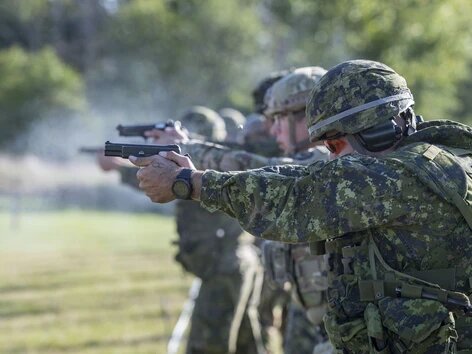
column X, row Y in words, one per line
column 336, row 146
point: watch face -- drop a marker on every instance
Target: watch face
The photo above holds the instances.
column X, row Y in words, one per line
column 181, row 189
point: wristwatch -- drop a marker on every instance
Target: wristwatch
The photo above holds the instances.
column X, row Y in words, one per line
column 182, row 187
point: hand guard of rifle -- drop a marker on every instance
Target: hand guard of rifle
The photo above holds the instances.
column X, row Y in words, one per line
column 138, row 150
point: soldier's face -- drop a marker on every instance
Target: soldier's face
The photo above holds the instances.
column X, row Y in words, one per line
column 281, row 131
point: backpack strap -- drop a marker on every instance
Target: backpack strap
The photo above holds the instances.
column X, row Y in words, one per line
column 435, row 176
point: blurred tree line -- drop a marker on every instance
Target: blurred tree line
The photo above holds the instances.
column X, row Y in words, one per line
column 145, row 59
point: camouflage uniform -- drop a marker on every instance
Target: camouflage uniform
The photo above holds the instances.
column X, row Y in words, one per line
column 221, row 158
column 299, row 332
column 290, row 93
column 285, row 103
column 209, row 248
column 212, row 246
column 396, row 227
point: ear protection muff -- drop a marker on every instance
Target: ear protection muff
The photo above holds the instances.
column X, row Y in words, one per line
column 381, row 136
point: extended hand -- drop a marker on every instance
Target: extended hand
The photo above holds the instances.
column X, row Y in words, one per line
column 158, row 172
column 110, row 163
column 170, row 135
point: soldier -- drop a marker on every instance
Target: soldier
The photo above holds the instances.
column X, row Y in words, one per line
column 234, row 121
column 212, row 247
column 285, row 104
column 392, row 209
column 259, row 92
column 204, row 123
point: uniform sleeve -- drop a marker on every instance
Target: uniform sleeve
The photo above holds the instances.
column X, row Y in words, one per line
column 220, row 158
column 313, row 203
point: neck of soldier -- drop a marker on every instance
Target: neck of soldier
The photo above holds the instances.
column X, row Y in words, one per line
column 351, row 145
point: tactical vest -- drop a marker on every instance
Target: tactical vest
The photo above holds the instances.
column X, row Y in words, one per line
column 295, row 265
column 374, row 308
column 207, row 241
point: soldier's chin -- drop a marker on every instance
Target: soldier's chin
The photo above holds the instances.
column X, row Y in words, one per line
column 282, row 146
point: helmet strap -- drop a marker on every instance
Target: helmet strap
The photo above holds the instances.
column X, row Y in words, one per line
column 292, row 132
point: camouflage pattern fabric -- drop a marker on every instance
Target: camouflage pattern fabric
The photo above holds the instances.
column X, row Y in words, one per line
column 207, row 155
column 213, row 315
column 354, row 199
column 207, row 241
column 209, row 247
column 220, row 158
column 290, row 93
column 204, row 122
column 350, row 85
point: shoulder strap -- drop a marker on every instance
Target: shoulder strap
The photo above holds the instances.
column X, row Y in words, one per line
column 439, row 179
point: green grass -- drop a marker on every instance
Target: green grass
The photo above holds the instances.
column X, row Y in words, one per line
column 88, row 282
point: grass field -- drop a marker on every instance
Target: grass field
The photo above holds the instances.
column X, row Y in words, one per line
column 88, row 282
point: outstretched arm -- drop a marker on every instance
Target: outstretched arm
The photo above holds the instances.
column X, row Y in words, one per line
column 295, row 203
column 206, row 155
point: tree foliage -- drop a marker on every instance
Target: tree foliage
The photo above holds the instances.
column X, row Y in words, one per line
column 196, row 50
column 71, row 27
column 426, row 41
column 139, row 58
column 35, row 86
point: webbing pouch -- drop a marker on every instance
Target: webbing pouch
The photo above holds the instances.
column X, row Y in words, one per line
column 375, row 330
column 415, row 320
column 351, row 334
column 317, row 248
column 445, row 278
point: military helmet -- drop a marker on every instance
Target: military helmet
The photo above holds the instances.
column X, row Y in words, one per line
column 205, row 122
column 259, row 92
column 291, row 92
column 255, row 124
column 234, row 120
column 354, row 96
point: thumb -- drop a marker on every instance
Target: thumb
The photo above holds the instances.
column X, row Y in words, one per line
column 141, row 161
column 182, row 161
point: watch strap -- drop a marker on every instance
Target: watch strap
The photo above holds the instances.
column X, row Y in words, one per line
column 185, row 174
